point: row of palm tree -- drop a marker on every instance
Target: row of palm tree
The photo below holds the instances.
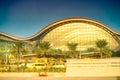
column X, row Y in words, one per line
column 44, row 48
column 101, row 44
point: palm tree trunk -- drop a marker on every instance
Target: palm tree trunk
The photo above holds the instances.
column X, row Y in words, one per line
column 72, row 55
column 101, row 54
column 80, row 55
column 6, row 59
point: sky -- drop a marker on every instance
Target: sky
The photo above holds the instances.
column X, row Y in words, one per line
column 27, row 17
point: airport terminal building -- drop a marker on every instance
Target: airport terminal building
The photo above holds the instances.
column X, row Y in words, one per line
column 83, row 31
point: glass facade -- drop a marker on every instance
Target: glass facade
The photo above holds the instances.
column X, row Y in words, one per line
column 5, row 44
column 83, row 33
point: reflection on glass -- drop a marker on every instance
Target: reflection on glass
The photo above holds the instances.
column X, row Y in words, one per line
column 84, row 34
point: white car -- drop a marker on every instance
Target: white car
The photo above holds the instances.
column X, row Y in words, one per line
column 21, row 64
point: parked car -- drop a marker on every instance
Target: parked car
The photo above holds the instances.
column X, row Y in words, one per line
column 28, row 65
column 21, row 64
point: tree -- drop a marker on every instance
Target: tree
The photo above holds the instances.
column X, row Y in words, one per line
column 18, row 49
column 101, row 43
column 107, row 52
column 72, row 48
column 54, row 53
column 91, row 49
column 42, row 48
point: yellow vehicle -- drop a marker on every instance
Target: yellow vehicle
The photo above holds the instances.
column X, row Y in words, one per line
column 59, row 65
column 38, row 65
column 2, row 69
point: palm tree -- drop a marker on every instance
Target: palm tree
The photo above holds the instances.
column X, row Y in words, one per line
column 107, row 51
column 72, row 48
column 42, row 48
column 101, row 43
column 18, row 49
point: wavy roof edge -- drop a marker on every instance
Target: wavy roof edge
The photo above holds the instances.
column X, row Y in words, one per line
column 55, row 23
column 11, row 36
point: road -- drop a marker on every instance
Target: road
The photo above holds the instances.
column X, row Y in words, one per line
column 51, row 76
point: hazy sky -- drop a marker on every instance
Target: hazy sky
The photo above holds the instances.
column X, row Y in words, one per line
column 27, row 17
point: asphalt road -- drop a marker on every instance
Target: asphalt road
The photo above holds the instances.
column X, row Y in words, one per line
column 59, row 78
column 51, row 76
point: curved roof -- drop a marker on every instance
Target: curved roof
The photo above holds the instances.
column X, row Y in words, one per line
column 68, row 20
column 61, row 22
column 11, row 36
